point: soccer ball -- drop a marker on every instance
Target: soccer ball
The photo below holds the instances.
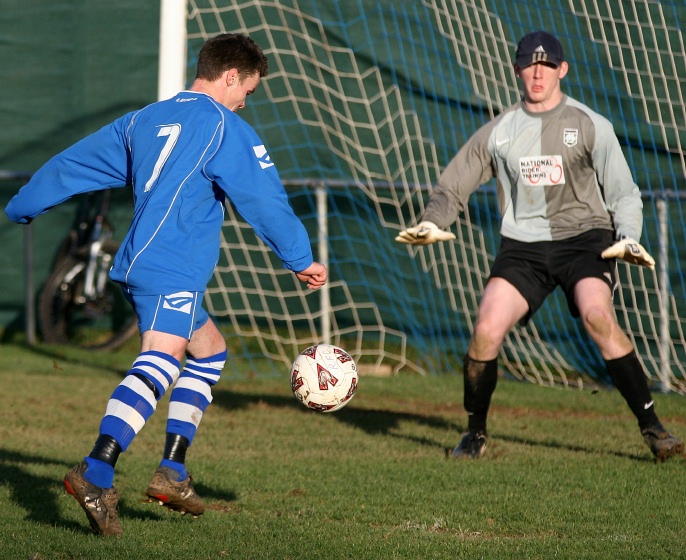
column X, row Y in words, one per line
column 324, row 377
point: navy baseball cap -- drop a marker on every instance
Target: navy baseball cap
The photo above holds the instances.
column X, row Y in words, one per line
column 539, row 46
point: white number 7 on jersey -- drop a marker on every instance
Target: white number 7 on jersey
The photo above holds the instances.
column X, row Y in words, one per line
column 172, row 131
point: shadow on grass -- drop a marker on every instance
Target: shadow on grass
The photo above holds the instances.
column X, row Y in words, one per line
column 39, row 495
column 575, row 448
column 388, row 423
column 61, row 356
column 373, row 422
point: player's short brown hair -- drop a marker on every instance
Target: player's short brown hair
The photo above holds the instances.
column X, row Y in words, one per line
column 231, row 50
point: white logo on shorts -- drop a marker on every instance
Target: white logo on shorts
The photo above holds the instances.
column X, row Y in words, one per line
column 180, row 301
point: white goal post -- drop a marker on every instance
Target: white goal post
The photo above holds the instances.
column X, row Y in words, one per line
column 171, row 75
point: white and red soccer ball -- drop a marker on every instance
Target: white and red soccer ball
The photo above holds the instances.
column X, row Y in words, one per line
column 324, row 377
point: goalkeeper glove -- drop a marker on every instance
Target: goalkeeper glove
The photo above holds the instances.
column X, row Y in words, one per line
column 423, row 234
column 631, row 251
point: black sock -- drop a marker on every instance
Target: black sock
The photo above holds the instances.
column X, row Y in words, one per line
column 628, row 376
column 480, row 379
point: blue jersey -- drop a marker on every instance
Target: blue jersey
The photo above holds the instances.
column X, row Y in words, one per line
column 182, row 156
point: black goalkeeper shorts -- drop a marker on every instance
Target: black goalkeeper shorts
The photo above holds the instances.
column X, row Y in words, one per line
column 537, row 268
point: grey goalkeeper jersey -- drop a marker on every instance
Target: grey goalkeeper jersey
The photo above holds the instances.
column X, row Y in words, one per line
column 559, row 173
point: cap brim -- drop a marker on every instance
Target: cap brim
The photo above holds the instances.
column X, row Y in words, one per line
column 528, row 60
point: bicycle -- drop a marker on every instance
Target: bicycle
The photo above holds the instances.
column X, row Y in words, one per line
column 79, row 303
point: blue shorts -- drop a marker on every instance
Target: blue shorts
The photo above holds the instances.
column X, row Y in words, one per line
column 180, row 313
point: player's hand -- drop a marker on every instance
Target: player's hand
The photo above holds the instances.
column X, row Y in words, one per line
column 423, row 234
column 631, row 251
column 314, row 275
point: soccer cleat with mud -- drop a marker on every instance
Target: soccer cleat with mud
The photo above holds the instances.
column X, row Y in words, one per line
column 472, row 446
column 662, row 444
column 177, row 496
column 100, row 504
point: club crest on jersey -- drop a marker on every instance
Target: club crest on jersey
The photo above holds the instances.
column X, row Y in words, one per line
column 570, row 136
column 180, row 301
column 262, row 156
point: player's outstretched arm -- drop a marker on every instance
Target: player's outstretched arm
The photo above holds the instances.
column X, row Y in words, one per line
column 314, row 275
column 423, row 234
column 631, row 251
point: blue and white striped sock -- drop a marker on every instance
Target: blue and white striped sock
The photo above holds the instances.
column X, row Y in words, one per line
column 192, row 394
column 134, row 401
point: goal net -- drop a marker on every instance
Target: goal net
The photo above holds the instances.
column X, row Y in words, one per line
column 365, row 104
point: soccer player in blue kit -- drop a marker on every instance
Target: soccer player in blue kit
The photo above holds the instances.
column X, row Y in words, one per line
column 183, row 156
column 569, row 207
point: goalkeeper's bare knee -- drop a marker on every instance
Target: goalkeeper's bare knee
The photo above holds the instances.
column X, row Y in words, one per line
column 484, row 345
column 603, row 328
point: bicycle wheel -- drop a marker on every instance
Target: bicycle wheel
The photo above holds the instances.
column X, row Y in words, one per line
column 66, row 316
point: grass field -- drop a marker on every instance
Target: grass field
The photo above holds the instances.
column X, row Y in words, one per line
column 567, row 474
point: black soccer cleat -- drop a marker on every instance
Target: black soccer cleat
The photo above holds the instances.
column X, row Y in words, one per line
column 472, row 446
column 662, row 444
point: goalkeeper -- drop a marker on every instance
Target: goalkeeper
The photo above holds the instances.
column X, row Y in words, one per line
column 569, row 207
column 183, row 157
